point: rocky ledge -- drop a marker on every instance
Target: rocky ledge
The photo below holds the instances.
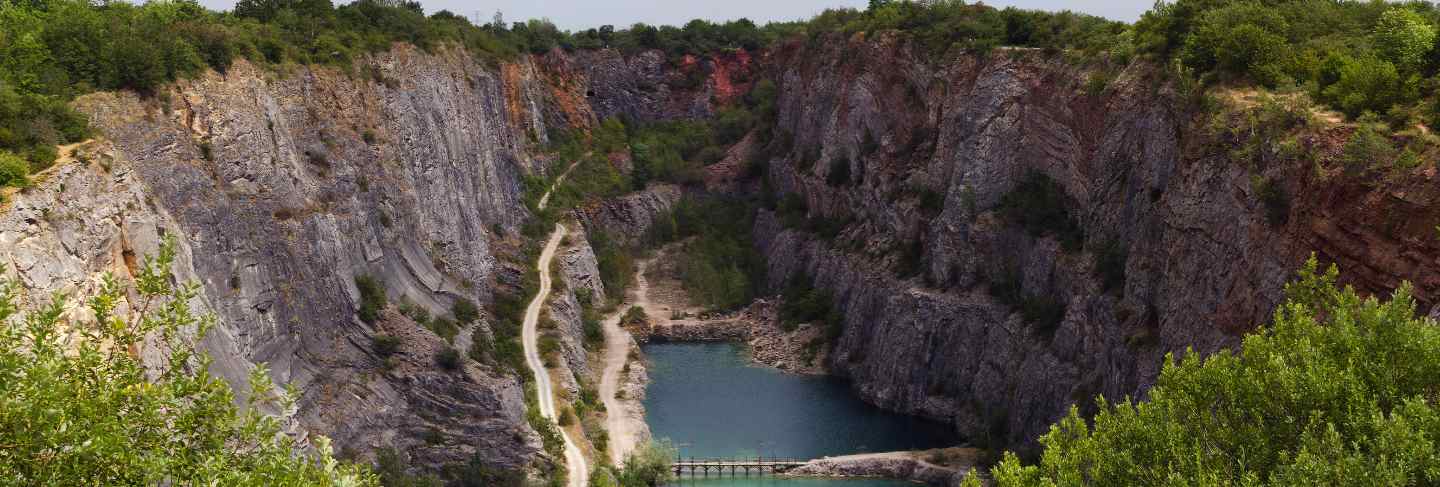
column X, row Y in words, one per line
column 802, row 350
column 940, row 467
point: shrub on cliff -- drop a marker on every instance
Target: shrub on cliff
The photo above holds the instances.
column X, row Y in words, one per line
column 448, row 358
column 372, row 298
column 464, row 311
column 385, row 345
column 634, row 316
column 1338, row 390
column 78, row 407
column 803, row 303
column 14, row 171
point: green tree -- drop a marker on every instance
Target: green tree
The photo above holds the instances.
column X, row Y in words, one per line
column 1338, row 390
column 1403, row 37
column 1244, row 39
column 1363, row 83
column 78, row 407
column 14, row 171
column 649, row 465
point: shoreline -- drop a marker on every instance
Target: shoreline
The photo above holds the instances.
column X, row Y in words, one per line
column 623, row 380
column 803, row 351
column 940, row 467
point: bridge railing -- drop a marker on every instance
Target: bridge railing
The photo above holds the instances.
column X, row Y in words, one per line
column 727, row 461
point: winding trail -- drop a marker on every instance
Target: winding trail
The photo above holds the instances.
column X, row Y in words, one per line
column 530, row 338
column 623, row 433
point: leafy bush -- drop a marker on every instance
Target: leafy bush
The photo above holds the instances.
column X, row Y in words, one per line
column 385, row 345
column 444, row 327
column 649, row 465
column 634, row 316
column 80, row 408
column 931, row 201
column 803, row 303
column 1403, row 37
column 1335, row 391
column 482, row 348
column 372, row 298
column 1355, row 84
column 1275, row 201
column 1368, row 147
column 792, row 211
column 549, row 349
column 567, row 416
column 594, row 330
column 1245, row 39
column 448, row 358
column 14, row 171
column 415, row 312
column 1353, row 56
column 464, row 311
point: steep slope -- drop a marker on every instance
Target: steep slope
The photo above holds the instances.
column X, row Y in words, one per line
column 934, row 146
column 283, row 186
column 282, row 189
column 574, row 458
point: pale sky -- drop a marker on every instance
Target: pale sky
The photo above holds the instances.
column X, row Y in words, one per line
column 582, row 14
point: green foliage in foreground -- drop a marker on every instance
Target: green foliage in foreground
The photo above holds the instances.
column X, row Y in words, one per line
column 77, row 407
column 647, row 466
column 1339, row 390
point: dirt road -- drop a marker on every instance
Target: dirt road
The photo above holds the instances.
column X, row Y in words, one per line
column 530, row 337
column 624, row 432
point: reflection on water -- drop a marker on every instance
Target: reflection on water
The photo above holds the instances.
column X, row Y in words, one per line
column 710, row 401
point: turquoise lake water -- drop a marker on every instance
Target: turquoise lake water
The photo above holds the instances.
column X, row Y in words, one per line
column 710, row 400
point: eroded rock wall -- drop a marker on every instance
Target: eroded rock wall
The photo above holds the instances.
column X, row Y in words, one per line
column 912, row 273
column 283, row 187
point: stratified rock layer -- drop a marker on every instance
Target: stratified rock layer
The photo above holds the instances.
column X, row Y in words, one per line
column 933, row 146
column 282, row 187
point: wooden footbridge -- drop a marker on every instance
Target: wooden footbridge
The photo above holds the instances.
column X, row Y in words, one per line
column 733, row 466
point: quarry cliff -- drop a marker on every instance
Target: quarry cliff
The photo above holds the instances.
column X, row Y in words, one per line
column 283, row 186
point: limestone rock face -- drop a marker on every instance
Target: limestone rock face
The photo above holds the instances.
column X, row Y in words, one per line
column 934, row 144
column 580, row 269
column 283, row 187
column 627, row 218
column 647, row 86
